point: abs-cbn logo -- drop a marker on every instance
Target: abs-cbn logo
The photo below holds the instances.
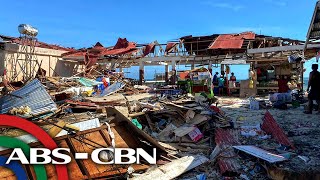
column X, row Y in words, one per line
column 99, row 156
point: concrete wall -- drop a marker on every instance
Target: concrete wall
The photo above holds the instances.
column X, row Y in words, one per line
column 49, row 59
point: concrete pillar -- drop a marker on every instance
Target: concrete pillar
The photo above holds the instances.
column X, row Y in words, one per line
column 210, row 67
column 141, row 72
column 166, row 75
column 113, row 66
column 49, row 67
column 174, row 72
column 222, row 69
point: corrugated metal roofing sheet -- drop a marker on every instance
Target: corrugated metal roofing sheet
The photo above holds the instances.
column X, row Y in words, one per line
column 260, row 153
column 33, row 95
column 226, row 137
column 122, row 47
column 229, row 166
column 231, row 41
column 149, row 49
column 270, row 126
column 170, row 46
column 228, row 161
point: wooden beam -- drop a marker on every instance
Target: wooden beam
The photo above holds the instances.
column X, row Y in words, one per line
column 282, row 48
column 151, row 125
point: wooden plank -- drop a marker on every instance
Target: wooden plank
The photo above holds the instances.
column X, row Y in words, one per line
column 55, row 130
column 53, row 81
column 137, row 114
column 120, row 118
column 167, row 146
column 151, row 125
column 194, row 146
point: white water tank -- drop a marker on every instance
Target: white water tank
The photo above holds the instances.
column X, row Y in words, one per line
column 28, row 30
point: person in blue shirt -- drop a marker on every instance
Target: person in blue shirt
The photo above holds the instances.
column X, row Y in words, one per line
column 215, row 78
column 221, row 85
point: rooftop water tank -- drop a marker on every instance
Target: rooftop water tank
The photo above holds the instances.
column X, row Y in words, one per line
column 28, row 30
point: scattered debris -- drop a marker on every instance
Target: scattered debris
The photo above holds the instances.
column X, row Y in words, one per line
column 174, row 168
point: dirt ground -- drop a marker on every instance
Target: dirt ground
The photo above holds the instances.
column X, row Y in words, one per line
column 302, row 129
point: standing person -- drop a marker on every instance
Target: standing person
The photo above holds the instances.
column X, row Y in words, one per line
column 283, row 85
column 232, row 83
column 314, row 93
column 233, row 77
column 215, row 78
column 221, row 85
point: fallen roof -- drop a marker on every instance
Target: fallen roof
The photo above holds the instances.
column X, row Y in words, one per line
column 231, row 41
column 314, row 28
column 38, row 43
column 123, row 46
column 198, row 44
column 33, row 95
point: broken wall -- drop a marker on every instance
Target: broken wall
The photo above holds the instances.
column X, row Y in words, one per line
column 49, row 59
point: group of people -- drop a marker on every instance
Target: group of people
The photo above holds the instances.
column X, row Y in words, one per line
column 313, row 86
column 313, row 89
column 220, row 81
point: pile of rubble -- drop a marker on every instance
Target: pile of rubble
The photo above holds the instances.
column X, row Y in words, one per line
column 194, row 138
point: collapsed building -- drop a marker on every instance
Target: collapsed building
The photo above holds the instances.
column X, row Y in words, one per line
column 78, row 99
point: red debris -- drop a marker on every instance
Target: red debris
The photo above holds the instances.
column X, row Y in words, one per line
column 91, row 55
column 124, row 43
column 231, row 41
column 226, row 137
column 122, row 47
column 78, row 53
column 217, row 110
column 229, row 166
column 170, row 46
column 90, row 60
column 227, row 161
column 270, row 126
column 149, row 49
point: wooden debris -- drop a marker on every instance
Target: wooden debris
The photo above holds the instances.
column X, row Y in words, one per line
column 137, row 114
column 56, row 129
column 194, row 146
column 151, row 125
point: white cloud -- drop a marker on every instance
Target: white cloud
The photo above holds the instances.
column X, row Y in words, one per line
column 224, row 5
